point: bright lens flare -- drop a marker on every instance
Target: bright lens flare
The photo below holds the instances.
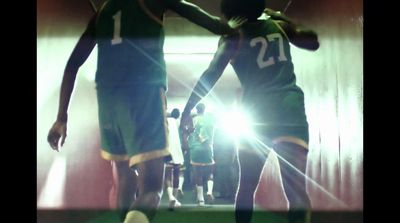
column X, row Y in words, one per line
column 235, row 123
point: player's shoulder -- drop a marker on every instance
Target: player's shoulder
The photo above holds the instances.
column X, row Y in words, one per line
column 230, row 39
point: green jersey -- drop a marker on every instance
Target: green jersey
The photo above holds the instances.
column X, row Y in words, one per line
column 201, row 140
column 130, row 45
column 203, row 130
column 263, row 62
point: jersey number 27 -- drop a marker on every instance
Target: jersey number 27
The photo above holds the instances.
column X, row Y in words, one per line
column 261, row 61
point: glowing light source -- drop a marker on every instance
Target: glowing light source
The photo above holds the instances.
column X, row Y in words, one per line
column 235, row 123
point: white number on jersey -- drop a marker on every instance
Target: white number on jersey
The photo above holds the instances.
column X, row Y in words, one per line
column 117, row 29
column 264, row 46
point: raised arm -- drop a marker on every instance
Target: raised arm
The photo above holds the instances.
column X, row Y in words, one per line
column 78, row 56
column 209, row 78
column 298, row 34
column 200, row 17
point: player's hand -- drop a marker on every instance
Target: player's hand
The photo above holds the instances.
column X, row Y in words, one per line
column 57, row 131
column 236, row 22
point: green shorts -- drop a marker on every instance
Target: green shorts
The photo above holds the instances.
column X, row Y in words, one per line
column 132, row 123
column 201, row 154
column 279, row 116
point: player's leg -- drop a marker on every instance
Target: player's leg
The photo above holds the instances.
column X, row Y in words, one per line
column 209, row 173
column 112, row 196
column 150, row 184
column 187, row 173
column 175, row 170
column 168, row 176
column 294, row 180
column 175, row 183
column 142, row 127
column 169, row 185
column 125, row 186
column 251, row 164
column 181, row 181
column 175, row 178
column 198, row 179
column 122, row 193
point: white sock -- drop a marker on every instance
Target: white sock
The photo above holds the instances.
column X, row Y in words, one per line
column 136, row 217
column 210, row 185
column 200, row 195
column 170, row 194
column 181, row 179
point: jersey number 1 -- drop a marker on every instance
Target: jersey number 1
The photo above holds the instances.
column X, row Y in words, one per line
column 117, row 29
column 264, row 46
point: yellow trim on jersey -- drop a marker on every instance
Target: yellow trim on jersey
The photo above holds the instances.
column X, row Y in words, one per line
column 142, row 157
column 100, row 9
column 202, row 164
column 149, row 13
column 279, row 27
column 291, row 139
column 102, row 6
column 109, row 156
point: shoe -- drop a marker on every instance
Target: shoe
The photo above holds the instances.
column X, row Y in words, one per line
column 177, row 204
column 201, row 203
column 174, row 204
column 210, row 198
column 171, row 204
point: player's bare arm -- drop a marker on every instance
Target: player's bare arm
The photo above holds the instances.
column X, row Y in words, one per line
column 226, row 50
column 298, row 34
column 78, row 56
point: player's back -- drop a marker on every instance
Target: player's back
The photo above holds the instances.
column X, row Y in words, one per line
column 130, row 45
column 263, row 62
column 203, row 129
